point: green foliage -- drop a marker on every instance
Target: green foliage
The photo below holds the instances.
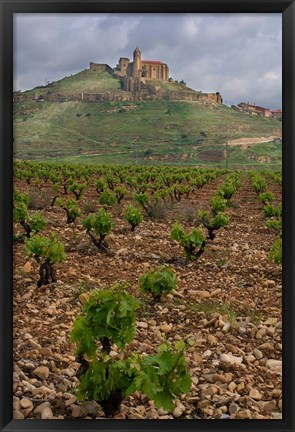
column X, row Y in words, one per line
column 99, row 186
column 109, row 314
column 193, row 242
column 70, row 207
column 266, row 197
column 162, row 377
column 120, row 193
column 101, row 223
column 157, row 282
column 276, row 253
column 271, row 210
column 218, row 204
column 77, row 189
column 37, row 222
column 259, row 184
column 133, row 216
column 108, row 198
column 45, row 248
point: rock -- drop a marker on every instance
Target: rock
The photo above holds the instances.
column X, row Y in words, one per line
column 41, row 372
column 254, row 394
column 41, row 407
column 43, row 390
column 123, row 251
column 27, row 268
column 71, row 401
column 18, row 415
column 226, row 328
column 271, row 322
column 229, row 358
column 269, row 406
column 78, row 411
column 202, row 294
column 47, row 413
column 212, row 339
column 244, row 414
column 91, row 408
column 257, row 354
column 83, row 298
column 47, row 352
column 34, row 344
column 216, row 292
column 178, row 411
column 165, row 328
column 197, row 359
column 274, row 365
column 142, row 324
column 26, row 404
column 267, row 346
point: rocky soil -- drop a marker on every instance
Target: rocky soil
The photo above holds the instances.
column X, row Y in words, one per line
column 228, row 304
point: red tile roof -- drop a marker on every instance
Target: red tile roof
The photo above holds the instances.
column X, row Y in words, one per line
column 152, row 61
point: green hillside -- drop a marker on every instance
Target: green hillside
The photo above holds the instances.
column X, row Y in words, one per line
column 146, row 132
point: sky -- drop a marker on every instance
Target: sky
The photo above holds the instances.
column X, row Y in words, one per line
column 238, row 55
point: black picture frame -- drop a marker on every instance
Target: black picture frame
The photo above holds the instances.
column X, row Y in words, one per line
column 8, row 8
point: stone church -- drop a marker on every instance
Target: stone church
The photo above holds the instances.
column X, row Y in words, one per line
column 142, row 68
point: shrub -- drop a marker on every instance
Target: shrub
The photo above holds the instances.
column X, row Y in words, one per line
column 101, row 224
column 46, row 251
column 133, row 216
column 213, row 223
column 193, row 242
column 157, row 282
column 109, row 317
column 71, row 209
column 107, row 198
column 276, row 253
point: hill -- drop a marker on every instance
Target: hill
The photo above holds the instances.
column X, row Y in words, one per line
column 57, row 121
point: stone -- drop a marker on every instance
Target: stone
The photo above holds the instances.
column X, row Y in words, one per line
column 142, row 324
column 244, row 414
column 26, row 404
column 178, row 411
column 254, row 394
column 257, row 354
column 41, row 372
column 226, row 328
column 269, row 406
column 229, row 358
column 202, row 294
column 78, row 411
column 274, row 365
column 46, row 413
column 47, row 352
column 27, row 268
column 41, row 407
column 18, row 415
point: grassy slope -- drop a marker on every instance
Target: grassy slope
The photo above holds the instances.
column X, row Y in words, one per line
column 75, row 130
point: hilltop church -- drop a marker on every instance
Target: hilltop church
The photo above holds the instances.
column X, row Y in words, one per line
column 133, row 74
column 141, row 68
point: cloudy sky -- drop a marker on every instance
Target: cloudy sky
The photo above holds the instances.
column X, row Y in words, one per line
column 239, row 55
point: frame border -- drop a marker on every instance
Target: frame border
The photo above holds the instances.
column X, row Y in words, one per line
column 7, row 9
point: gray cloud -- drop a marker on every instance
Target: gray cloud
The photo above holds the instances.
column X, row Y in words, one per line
column 239, row 55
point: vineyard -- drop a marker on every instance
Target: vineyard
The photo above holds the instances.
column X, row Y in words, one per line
column 147, row 292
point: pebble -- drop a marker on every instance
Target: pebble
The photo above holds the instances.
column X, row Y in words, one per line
column 244, row 414
column 41, row 372
column 274, row 365
column 254, row 394
column 47, row 413
column 26, row 404
column 41, row 407
column 257, row 354
column 229, row 358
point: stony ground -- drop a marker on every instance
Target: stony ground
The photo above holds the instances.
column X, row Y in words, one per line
column 229, row 303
